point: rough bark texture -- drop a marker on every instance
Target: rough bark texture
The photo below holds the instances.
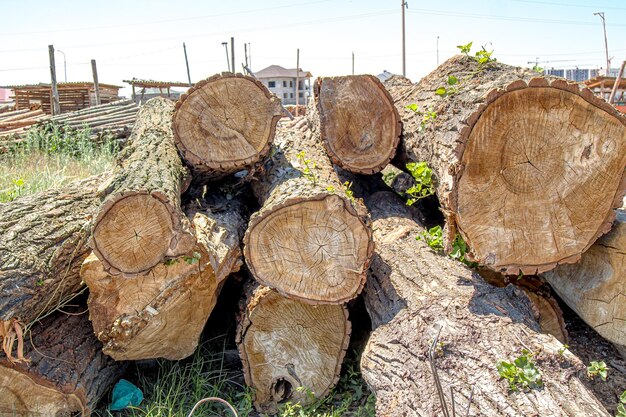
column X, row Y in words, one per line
column 66, row 372
column 413, row 294
column 43, row 241
column 162, row 314
column 360, row 126
column 141, row 223
column 285, row 344
column 595, row 288
column 528, row 168
column 308, row 241
column 225, row 124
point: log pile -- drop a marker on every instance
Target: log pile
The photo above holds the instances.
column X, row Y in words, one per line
column 216, row 182
column 116, row 119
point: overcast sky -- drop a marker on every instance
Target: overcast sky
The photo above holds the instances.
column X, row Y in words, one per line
column 144, row 39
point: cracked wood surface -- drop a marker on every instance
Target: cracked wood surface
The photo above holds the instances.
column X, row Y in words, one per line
column 309, row 241
column 43, row 241
column 413, row 292
column 66, row 372
column 225, row 124
column 528, row 168
column 595, row 287
column 360, row 127
column 161, row 314
column 140, row 223
column 285, row 344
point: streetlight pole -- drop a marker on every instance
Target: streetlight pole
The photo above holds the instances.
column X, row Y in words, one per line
column 64, row 63
column 606, row 45
column 227, row 60
column 404, row 4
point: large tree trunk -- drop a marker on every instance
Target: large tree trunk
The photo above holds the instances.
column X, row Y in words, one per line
column 66, row 373
column 225, row 124
column 162, row 314
column 360, row 126
column 141, row 223
column 595, row 288
column 285, row 344
column 528, row 168
column 43, row 241
column 414, row 294
column 308, row 241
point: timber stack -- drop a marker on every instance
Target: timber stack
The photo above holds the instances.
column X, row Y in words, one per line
column 528, row 171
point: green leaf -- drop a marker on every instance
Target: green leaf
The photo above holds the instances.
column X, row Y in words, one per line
column 412, row 107
column 621, row 411
column 452, row 80
column 441, row 91
column 622, row 397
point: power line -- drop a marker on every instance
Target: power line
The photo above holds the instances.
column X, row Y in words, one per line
column 570, row 5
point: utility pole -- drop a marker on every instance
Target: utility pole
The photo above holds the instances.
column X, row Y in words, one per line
column 227, row 60
column 232, row 53
column 404, row 4
column 187, row 64
column 617, row 81
column 250, row 55
column 606, row 44
column 56, row 106
column 64, row 64
column 96, row 85
column 352, row 63
column 437, row 50
column 297, row 79
column 245, row 52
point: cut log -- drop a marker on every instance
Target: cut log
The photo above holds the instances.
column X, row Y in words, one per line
column 43, row 241
column 360, row 126
column 66, row 372
column 141, row 223
column 286, row 344
column 595, row 288
column 414, row 295
column 308, row 241
column 528, row 168
column 162, row 314
column 225, row 124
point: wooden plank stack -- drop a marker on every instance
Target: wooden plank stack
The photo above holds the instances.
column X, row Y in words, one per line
column 509, row 151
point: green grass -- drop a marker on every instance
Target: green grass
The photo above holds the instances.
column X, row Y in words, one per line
column 50, row 156
column 172, row 388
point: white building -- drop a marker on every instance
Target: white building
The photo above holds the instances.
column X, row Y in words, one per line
column 282, row 82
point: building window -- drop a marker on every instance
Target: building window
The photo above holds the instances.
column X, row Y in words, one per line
column 301, row 95
column 290, row 83
column 290, row 95
column 284, row 95
column 284, row 83
column 271, row 84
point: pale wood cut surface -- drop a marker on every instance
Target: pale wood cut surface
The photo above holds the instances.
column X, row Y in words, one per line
column 595, row 288
column 285, row 344
column 528, row 168
column 66, row 374
column 308, row 241
column 225, row 123
column 141, row 222
column 360, row 125
column 413, row 292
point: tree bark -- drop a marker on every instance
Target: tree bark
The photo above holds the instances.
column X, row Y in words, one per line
column 285, row 344
column 528, row 168
column 225, row 124
column 360, row 126
column 141, row 223
column 66, row 373
column 414, row 294
column 308, row 241
column 162, row 314
column 595, row 288
column 43, row 241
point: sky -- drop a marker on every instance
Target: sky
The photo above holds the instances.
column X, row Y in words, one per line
column 144, row 39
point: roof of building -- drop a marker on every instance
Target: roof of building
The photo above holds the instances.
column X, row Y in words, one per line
column 155, row 84
column 69, row 85
column 276, row 71
column 607, row 81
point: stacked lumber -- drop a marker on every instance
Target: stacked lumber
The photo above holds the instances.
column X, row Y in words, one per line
column 18, row 121
column 217, row 183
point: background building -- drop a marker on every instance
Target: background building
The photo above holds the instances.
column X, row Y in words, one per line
column 282, row 82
